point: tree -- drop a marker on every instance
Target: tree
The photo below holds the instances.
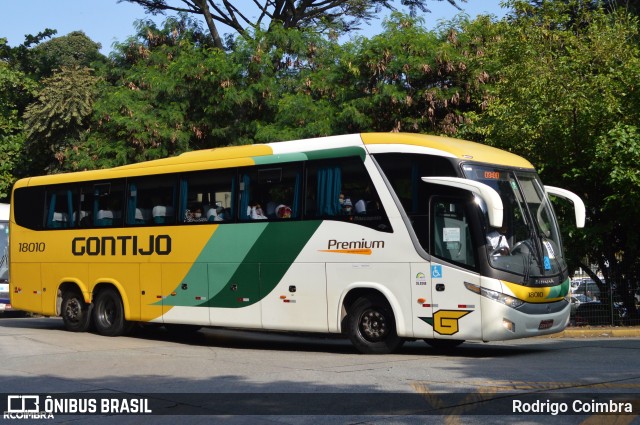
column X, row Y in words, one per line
column 155, row 96
column 341, row 15
column 21, row 58
column 405, row 79
column 14, row 87
column 72, row 50
column 58, row 117
column 566, row 97
column 411, row 79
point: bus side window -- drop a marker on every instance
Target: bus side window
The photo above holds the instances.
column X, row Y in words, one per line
column 60, row 206
column 451, row 236
column 30, row 207
column 107, row 204
column 341, row 189
column 207, row 196
column 151, row 200
column 270, row 193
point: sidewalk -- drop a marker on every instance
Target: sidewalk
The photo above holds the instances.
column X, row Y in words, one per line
column 598, row 331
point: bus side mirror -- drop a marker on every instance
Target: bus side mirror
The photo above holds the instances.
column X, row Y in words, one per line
column 495, row 208
column 578, row 205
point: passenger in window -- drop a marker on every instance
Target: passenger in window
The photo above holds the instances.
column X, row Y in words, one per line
column 194, row 215
column 216, row 214
column 254, row 211
column 368, row 203
column 347, row 206
column 85, row 221
column 283, row 211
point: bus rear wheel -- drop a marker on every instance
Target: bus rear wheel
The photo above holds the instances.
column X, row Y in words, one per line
column 371, row 326
column 108, row 314
column 76, row 314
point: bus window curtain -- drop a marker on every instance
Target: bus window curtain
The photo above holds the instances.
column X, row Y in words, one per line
column 70, row 222
column 96, row 204
column 132, row 204
column 184, row 187
column 329, row 187
column 52, row 210
column 244, row 197
column 234, row 200
column 296, row 197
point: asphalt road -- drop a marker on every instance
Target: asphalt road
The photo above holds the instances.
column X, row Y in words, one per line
column 227, row 375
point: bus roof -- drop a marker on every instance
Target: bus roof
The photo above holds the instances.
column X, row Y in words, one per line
column 297, row 150
column 443, row 146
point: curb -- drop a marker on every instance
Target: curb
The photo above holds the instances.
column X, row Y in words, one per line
column 594, row 332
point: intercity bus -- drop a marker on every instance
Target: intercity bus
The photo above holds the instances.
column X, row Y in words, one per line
column 5, row 304
column 381, row 237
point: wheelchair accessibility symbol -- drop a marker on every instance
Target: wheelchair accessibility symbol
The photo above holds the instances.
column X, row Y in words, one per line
column 436, row 271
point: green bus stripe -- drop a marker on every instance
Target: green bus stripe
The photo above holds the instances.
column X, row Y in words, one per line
column 337, row 153
column 252, row 256
column 310, row 155
column 265, row 263
column 280, row 158
column 229, row 246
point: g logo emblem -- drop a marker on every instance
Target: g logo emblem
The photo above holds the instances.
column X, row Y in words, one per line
column 445, row 322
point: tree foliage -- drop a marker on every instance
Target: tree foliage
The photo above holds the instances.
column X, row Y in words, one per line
column 170, row 92
column 15, row 86
column 567, row 98
column 247, row 18
column 72, row 50
column 59, row 116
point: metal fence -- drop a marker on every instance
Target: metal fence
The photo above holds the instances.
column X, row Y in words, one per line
column 589, row 306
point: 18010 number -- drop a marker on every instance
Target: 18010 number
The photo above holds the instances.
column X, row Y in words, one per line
column 31, row 247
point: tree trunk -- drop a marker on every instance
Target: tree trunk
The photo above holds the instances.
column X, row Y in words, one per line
column 204, row 6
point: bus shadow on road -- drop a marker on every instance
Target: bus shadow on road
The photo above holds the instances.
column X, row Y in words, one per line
column 282, row 341
column 311, row 342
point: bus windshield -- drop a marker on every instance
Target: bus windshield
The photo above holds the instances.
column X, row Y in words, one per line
column 528, row 243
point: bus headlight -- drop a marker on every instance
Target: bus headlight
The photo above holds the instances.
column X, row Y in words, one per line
column 505, row 299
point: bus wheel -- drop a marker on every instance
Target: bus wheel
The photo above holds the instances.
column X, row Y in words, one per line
column 372, row 327
column 444, row 344
column 108, row 314
column 76, row 314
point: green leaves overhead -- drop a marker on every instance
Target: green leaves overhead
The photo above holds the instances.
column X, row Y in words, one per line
column 59, row 115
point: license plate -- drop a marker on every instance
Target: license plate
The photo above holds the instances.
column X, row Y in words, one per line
column 545, row 324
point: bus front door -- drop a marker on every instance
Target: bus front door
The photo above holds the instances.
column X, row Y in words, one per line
column 455, row 305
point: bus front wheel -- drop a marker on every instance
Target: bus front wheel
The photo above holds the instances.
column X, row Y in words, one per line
column 108, row 314
column 76, row 314
column 371, row 326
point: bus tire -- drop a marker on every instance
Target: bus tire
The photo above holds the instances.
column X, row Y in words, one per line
column 108, row 314
column 76, row 314
column 371, row 326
